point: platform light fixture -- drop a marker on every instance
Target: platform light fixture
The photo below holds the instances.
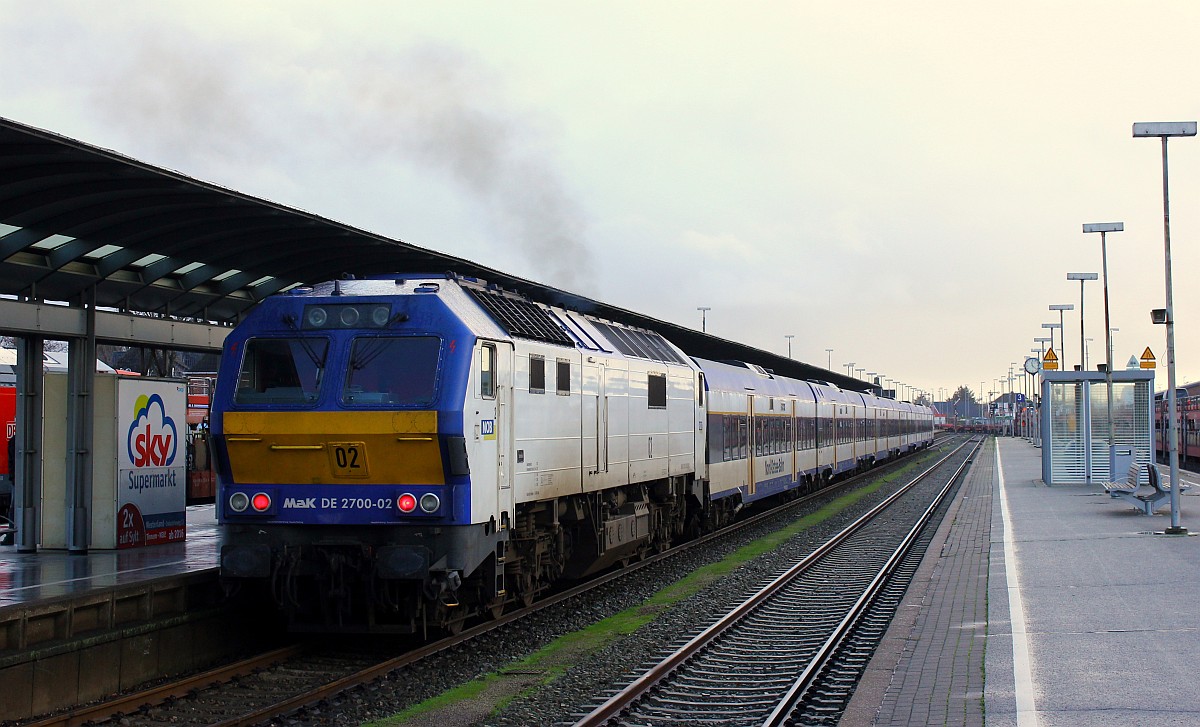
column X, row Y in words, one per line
column 703, row 322
column 1062, row 330
column 1165, row 130
column 789, row 337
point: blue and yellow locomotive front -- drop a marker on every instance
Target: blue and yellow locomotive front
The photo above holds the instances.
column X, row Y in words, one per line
column 344, row 480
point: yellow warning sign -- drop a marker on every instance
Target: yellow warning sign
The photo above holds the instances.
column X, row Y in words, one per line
column 1148, row 359
column 1050, row 362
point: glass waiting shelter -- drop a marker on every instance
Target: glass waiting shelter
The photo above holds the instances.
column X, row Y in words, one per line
column 1079, row 445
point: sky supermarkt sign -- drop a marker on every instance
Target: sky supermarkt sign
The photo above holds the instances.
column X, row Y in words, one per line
column 151, row 472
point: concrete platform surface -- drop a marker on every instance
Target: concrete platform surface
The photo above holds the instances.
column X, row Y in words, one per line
column 49, row 574
column 1084, row 610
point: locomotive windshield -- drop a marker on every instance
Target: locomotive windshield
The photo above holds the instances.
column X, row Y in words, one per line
column 281, row 371
column 392, row 370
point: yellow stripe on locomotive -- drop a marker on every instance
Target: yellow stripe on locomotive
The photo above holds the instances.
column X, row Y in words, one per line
column 331, row 447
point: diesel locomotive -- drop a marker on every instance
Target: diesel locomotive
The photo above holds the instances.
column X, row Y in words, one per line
column 401, row 454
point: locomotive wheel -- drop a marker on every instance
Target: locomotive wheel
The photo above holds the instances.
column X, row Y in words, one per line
column 496, row 608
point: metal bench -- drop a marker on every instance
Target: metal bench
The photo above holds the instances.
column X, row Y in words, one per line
column 1131, row 489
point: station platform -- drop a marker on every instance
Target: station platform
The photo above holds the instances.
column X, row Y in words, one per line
column 27, row 578
column 1043, row 606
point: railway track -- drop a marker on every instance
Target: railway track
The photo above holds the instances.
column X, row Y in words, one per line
column 300, row 676
column 792, row 652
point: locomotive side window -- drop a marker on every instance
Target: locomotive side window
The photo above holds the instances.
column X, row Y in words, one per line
column 487, row 371
column 563, row 383
column 281, row 371
column 656, row 391
column 537, row 374
column 392, row 370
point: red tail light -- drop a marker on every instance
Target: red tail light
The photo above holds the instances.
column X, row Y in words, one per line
column 261, row 502
column 406, row 503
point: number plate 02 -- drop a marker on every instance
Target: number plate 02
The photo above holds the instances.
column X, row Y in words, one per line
column 348, row 459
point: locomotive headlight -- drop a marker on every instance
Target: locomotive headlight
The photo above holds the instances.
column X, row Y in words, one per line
column 379, row 315
column 349, row 316
column 316, row 316
column 238, row 502
column 430, row 502
column 406, row 503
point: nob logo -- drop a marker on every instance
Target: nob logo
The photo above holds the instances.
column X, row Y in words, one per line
column 152, row 439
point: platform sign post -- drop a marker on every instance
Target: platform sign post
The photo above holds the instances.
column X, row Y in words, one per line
column 151, row 464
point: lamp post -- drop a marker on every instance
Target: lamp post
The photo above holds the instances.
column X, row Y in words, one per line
column 828, row 359
column 1082, row 278
column 1062, row 331
column 1165, row 130
column 850, row 369
column 703, row 310
column 1034, row 367
column 1104, row 228
column 789, row 337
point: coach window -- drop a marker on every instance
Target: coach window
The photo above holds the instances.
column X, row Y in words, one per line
column 656, row 391
column 563, row 383
column 487, row 369
column 537, row 374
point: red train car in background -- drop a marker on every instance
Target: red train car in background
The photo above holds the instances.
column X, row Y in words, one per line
column 1187, row 429
column 201, row 481
column 8, row 416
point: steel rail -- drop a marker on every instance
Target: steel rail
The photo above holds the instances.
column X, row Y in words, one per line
column 299, row 702
column 132, row 702
column 125, row 705
column 793, row 697
column 620, row 701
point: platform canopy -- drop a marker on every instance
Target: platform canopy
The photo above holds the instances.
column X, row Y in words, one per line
column 75, row 217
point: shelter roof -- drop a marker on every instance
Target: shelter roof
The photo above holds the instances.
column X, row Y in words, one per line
column 149, row 240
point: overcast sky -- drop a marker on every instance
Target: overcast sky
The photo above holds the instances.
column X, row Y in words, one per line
column 904, row 183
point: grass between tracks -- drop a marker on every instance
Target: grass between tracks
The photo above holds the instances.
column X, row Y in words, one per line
column 555, row 658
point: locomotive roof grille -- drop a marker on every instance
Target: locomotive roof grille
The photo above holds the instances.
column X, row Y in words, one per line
column 521, row 318
column 640, row 344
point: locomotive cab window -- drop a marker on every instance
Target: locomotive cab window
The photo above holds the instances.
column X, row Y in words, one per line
column 392, row 371
column 281, row 371
column 656, row 391
column 487, row 371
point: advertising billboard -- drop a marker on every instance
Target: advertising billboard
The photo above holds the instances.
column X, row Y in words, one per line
column 151, row 462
